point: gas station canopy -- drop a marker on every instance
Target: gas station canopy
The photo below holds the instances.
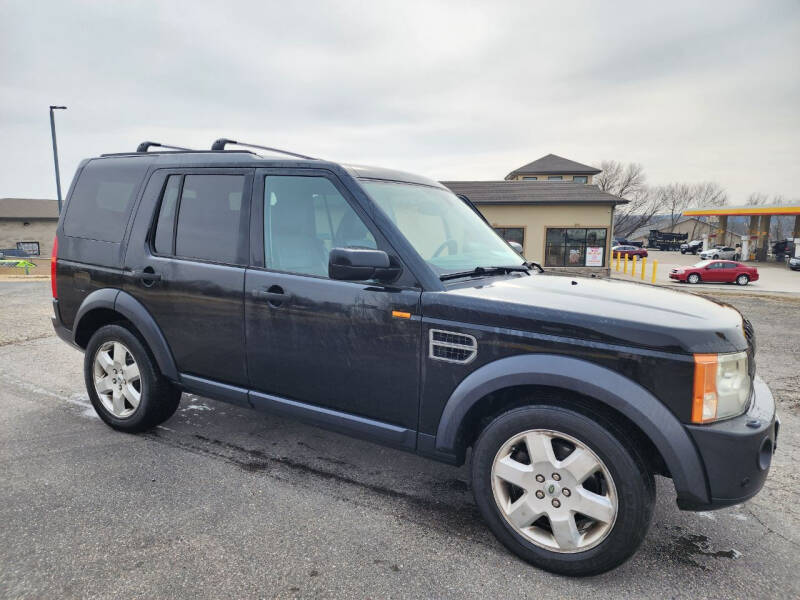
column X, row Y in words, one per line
column 756, row 245
column 744, row 211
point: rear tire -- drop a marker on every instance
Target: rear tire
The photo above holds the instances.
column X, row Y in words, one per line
column 544, row 520
column 693, row 278
column 124, row 384
column 742, row 280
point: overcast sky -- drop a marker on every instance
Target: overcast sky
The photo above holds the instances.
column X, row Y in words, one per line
column 692, row 90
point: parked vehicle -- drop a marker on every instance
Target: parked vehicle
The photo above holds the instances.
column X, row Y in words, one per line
column 716, row 271
column 666, row 240
column 692, row 247
column 794, row 264
column 629, row 251
column 783, row 250
column 717, row 252
column 378, row 304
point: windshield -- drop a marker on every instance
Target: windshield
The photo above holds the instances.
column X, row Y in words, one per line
column 443, row 229
column 702, row 263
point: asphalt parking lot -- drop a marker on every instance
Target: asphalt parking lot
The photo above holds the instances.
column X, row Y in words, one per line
column 225, row 502
column 774, row 277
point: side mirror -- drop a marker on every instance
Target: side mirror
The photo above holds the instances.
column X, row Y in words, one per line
column 361, row 264
column 516, row 246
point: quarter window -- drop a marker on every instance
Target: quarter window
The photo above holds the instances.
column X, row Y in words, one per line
column 162, row 240
column 575, row 247
column 304, row 218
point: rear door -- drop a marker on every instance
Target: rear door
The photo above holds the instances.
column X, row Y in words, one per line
column 190, row 273
column 349, row 346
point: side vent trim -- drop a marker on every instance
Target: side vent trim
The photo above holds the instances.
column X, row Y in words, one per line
column 452, row 346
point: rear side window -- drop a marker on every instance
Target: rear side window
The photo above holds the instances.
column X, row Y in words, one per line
column 103, row 197
column 211, row 222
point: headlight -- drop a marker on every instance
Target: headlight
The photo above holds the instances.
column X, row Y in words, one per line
column 721, row 386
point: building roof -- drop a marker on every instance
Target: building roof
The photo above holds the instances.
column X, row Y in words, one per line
column 743, row 211
column 28, row 208
column 554, row 165
column 531, row 192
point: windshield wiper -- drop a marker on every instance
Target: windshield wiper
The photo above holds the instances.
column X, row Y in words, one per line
column 486, row 271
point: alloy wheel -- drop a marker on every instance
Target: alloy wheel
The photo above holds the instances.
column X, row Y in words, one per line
column 116, row 379
column 554, row 491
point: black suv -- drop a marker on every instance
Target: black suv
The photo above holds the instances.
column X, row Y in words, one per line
column 378, row 304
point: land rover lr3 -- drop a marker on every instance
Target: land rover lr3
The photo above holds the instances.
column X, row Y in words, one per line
column 378, row 304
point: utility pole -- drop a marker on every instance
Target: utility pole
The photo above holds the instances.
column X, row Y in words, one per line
column 55, row 152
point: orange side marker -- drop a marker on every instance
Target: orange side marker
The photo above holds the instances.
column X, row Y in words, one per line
column 399, row 314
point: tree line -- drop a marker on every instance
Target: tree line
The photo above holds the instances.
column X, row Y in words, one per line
column 665, row 203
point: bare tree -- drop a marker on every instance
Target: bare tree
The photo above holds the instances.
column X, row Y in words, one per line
column 757, row 199
column 675, row 198
column 627, row 181
column 709, row 193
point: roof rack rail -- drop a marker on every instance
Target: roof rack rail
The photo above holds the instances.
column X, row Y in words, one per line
column 220, row 144
column 143, row 147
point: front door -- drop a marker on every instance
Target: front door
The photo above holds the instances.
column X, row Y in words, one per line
column 348, row 346
column 714, row 272
column 190, row 275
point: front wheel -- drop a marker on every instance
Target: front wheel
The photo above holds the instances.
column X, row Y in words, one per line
column 123, row 381
column 742, row 280
column 561, row 490
column 693, row 278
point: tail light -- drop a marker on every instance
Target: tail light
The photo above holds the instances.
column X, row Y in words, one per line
column 53, row 258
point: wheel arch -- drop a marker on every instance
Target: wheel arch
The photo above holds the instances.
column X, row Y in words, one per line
column 105, row 306
column 615, row 393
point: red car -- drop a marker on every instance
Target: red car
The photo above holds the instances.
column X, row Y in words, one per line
column 629, row 251
column 716, row 271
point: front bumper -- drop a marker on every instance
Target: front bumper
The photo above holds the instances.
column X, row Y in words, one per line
column 737, row 452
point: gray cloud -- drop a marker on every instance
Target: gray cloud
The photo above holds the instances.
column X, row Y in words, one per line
column 694, row 91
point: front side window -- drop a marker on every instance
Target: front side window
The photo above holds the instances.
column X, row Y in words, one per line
column 576, row 247
column 443, row 230
column 211, row 223
column 304, row 218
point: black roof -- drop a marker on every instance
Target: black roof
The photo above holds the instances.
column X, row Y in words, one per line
column 552, row 164
column 248, row 159
column 532, row 192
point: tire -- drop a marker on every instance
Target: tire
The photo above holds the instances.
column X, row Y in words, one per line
column 693, row 278
column 683, row 251
column 622, row 484
column 110, row 364
column 742, row 279
column 716, row 257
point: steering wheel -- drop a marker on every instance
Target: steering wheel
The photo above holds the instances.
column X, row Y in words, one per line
column 449, row 243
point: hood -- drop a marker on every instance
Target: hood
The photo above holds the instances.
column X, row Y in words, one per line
column 599, row 310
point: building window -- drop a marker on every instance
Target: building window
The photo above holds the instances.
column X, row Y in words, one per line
column 575, row 247
column 580, row 179
column 529, row 178
column 512, row 234
column 554, row 178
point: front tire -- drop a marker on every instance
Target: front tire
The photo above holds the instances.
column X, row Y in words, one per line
column 565, row 492
column 693, row 278
column 124, row 384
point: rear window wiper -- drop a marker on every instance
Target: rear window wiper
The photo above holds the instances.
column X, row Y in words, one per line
column 486, row 271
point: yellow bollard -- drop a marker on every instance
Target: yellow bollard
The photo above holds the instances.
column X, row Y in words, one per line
column 617, row 253
column 625, row 268
column 655, row 266
column 644, row 266
column 633, row 268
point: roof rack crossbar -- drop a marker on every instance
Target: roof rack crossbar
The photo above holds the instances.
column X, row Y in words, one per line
column 222, row 142
column 143, row 147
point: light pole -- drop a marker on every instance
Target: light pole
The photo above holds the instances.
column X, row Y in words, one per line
column 55, row 152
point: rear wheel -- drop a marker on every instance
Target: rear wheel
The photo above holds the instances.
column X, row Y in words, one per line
column 562, row 491
column 693, row 278
column 742, row 279
column 123, row 381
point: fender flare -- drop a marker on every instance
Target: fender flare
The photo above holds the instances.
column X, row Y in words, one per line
column 133, row 310
column 657, row 422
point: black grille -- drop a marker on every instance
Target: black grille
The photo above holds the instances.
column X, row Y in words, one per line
column 452, row 338
column 452, row 346
column 450, row 353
